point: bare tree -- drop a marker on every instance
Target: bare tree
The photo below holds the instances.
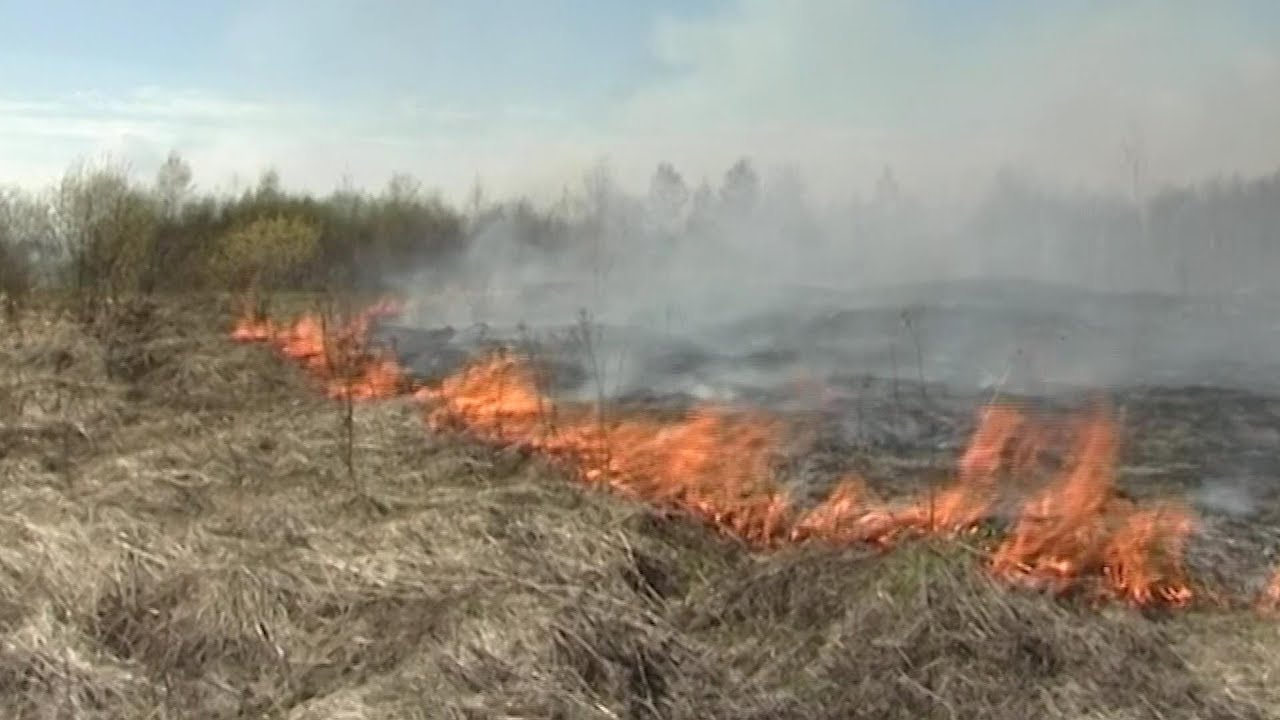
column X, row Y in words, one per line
column 269, row 187
column 173, row 185
column 403, row 188
column 741, row 189
column 1133, row 148
column 103, row 226
column 668, row 195
column 15, row 266
column 477, row 202
column 598, row 206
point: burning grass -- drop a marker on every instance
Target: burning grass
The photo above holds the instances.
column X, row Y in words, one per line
column 333, row 351
column 208, row 557
column 716, row 464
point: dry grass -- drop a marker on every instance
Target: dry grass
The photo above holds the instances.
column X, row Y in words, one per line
column 179, row 538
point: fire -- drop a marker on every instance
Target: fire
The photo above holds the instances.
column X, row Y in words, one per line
column 496, row 399
column 377, row 378
column 1005, row 439
column 848, row 516
column 1076, row 526
column 1269, row 601
column 1005, row 443
column 333, row 350
column 718, row 464
column 715, row 464
column 1143, row 559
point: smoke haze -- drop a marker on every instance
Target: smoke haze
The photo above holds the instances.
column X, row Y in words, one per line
column 991, row 193
column 751, row 284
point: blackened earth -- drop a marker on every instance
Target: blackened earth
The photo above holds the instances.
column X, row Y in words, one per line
column 890, row 389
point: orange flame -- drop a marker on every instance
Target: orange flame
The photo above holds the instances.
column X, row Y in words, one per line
column 967, row 501
column 333, row 351
column 714, row 464
column 1142, row 560
column 847, row 517
column 1076, row 527
column 1004, row 442
column 717, row 464
column 1269, row 601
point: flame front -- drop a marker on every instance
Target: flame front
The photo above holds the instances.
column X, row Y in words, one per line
column 714, row 464
column 1077, row 526
column 334, row 352
column 1269, row 602
column 717, row 464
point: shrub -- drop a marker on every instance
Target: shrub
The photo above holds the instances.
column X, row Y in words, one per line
column 15, row 265
column 102, row 226
column 266, row 254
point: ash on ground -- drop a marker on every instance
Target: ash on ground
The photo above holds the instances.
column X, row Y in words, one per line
column 890, row 390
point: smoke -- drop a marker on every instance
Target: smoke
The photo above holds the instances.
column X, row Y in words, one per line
column 1227, row 497
column 748, row 285
column 1019, row 197
column 949, row 95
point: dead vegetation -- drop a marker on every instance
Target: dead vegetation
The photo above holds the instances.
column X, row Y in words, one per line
column 179, row 538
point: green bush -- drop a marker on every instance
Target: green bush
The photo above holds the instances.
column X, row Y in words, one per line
column 267, row 253
column 102, row 228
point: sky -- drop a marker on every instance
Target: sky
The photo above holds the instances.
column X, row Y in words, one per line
column 524, row 96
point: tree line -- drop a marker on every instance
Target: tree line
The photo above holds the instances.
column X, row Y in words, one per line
column 102, row 234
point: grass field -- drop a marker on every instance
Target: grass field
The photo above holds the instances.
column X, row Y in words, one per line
column 181, row 535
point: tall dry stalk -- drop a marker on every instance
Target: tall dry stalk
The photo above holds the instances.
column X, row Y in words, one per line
column 590, row 349
column 337, row 362
column 542, row 386
column 908, row 319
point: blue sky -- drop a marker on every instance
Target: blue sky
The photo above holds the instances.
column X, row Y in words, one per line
column 325, row 49
column 526, row 93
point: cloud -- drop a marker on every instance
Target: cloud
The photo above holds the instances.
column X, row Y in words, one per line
column 844, row 88
column 147, row 112
column 314, row 146
column 837, row 89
